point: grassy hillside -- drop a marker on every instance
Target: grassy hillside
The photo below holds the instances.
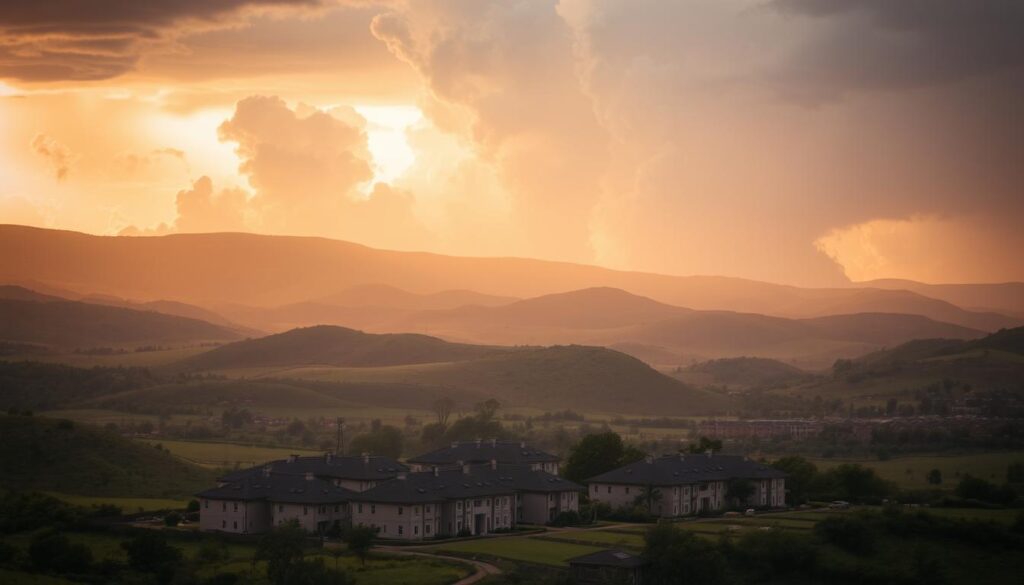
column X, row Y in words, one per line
column 84, row 325
column 336, row 346
column 42, row 386
column 745, row 372
column 578, row 377
column 52, row 455
column 215, row 393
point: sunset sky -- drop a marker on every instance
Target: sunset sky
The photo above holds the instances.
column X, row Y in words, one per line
column 808, row 142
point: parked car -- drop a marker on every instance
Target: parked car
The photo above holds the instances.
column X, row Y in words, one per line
column 749, row 512
column 839, row 505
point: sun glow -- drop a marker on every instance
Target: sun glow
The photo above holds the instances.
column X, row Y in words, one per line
column 387, row 141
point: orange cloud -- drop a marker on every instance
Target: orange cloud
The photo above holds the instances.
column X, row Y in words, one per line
column 58, row 155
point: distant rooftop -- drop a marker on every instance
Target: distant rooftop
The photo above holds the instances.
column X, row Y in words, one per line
column 289, row 489
column 355, row 467
column 681, row 469
column 474, row 481
column 483, row 451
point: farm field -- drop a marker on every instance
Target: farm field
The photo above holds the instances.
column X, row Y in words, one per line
column 140, row 359
column 225, row 455
column 127, row 505
column 520, row 548
column 911, row 472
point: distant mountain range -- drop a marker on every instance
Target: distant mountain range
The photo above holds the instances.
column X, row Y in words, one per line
column 273, row 271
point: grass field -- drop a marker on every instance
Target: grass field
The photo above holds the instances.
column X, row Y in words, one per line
column 127, row 505
column 911, row 472
column 143, row 359
column 221, row 455
column 599, row 538
column 521, row 548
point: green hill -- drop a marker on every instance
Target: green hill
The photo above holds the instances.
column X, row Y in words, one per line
column 57, row 455
column 336, row 346
column 216, row 393
column 73, row 324
column 747, row 372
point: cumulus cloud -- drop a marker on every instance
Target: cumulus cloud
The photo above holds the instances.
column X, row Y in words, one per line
column 200, row 209
column 59, row 156
column 48, row 40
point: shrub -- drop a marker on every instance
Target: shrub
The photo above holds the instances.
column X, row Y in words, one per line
column 172, row 519
column 567, row 518
column 851, row 533
column 53, row 551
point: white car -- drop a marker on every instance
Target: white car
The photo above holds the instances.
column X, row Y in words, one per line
column 749, row 512
column 839, row 505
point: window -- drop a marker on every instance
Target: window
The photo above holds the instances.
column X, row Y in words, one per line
column 426, row 529
column 595, row 489
column 360, row 508
column 236, row 525
column 206, row 504
column 305, row 510
column 400, row 527
column 488, row 501
column 337, row 509
column 415, row 529
column 223, row 523
column 399, row 510
column 476, row 503
column 609, row 489
column 426, row 509
column 224, row 506
column 280, row 507
column 236, row 506
column 458, row 505
column 627, row 490
column 373, row 508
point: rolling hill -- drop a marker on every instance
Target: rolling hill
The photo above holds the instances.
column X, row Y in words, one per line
column 269, row 271
column 51, row 455
column 744, row 372
column 72, row 324
column 1006, row 297
column 335, row 346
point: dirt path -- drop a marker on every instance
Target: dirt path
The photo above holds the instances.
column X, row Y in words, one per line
column 482, row 569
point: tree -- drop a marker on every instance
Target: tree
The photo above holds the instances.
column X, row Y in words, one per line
column 443, row 408
column 598, row 453
column 282, row 548
column 52, row 551
column 383, row 440
column 649, row 496
column 855, row 482
column 801, row 475
column 315, row 573
column 172, row 519
column 705, row 445
column 677, row 556
column 739, row 490
column 487, row 409
column 149, row 552
column 1015, row 473
column 935, row 477
column 359, row 540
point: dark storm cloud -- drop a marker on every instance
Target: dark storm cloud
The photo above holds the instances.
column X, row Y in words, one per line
column 50, row 40
column 894, row 44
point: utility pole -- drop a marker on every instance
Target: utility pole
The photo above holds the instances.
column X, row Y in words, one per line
column 340, row 440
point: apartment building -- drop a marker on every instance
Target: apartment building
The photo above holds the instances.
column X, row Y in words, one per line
column 356, row 473
column 681, row 485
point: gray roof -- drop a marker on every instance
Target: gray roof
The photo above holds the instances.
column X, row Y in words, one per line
column 684, row 469
column 369, row 467
column 610, row 558
column 454, row 484
column 512, row 452
column 289, row 489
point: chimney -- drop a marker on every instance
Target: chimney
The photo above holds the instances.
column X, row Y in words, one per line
column 464, row 466
column 266, row 471
column 494, row 464
column 709, row 452
column 522, row 444
column 681, row 456
column 293, row 458
column 649, row 459
column 401, row 475
column 366, row 458
column 437, row 471
column 329, row 457
column 309, row 476
column 478, row 441
column 494, row 442
column 455, row 444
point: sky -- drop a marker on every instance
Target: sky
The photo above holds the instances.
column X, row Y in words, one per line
column 807, row 142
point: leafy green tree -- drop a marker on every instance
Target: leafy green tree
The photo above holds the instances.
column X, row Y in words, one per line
column 678, row 556
column 314, row 572
column 282, row 548
column 359, row 540
column 851, row 481
column 52, row 551
column 148, row 552
column 801, row 477
column 935, row 477
column 705, row 444
column 598, row 453
column 649, row 496
column 738, row 491
column 852, row 533
column 383, row 440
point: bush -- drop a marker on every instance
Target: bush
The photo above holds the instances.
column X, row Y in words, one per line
column 851, row 533
column 172, row 519
column 975, row 488
column 567, row 518
column 52, row 551
column 769, row 554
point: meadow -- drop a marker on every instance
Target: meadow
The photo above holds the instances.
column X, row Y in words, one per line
column 216, row 455
column 911, row 472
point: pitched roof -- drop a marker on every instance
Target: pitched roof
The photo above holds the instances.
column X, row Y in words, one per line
column 288, row 489
column 610, row 558
column 682, row 469
column 522, row 478
column 369, row 467
column 427, row 486
column 485, row 451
